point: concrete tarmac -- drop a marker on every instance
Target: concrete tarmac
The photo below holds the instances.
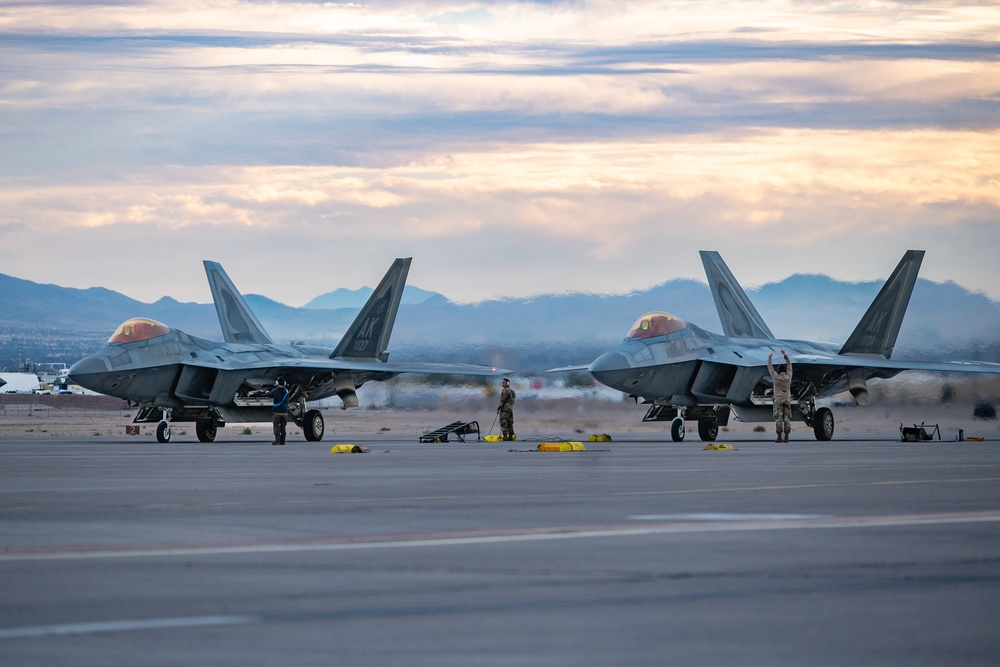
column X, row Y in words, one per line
column 121, row 551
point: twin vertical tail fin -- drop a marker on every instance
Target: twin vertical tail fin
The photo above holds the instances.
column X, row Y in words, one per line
column 738, row 316
column 239, row 324
column 368, row 336
column 876, row 332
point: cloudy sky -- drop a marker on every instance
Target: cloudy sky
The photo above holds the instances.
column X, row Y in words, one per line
column 510, row 148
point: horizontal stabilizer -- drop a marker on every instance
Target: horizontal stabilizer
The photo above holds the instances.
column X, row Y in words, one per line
column 368, row 336
column 239, row 324
column 738, row 316
column 876, row 332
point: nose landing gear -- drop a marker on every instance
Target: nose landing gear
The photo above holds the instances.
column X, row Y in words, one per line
column 163, row 428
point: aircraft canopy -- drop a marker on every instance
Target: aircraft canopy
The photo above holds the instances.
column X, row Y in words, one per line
column 652, row 325
column 138, row 329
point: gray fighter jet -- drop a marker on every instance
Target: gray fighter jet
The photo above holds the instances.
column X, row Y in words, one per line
column 689, row 374
column 175, row 377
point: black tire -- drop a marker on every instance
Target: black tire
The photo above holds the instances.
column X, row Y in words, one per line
column 206, row 430
column 677, row 430
column 823, row 424
column 163, row 432
column 313, row 426
column 708, row 429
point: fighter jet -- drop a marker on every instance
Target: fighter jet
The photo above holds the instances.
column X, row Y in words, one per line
column 175, row 377
column 689, row 374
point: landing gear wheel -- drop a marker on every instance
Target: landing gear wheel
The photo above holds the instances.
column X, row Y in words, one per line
column 677, row 430
column 206, row 430
column 823, row 424
column 163, row 432
column 708, row 429
column 313, row 426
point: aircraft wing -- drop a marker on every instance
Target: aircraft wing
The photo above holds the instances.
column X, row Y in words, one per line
column 829, row 374
column 803, row 364
column 823, row 363
column 569, row 369
column 357, row 365
column 217, row 381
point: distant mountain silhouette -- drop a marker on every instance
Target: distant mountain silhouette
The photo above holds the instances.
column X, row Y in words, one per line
column 355, row 298
column 537, row 332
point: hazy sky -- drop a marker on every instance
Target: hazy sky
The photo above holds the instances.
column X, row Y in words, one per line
column 510, row 148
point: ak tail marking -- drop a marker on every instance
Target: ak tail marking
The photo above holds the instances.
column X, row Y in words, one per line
column 368, row 336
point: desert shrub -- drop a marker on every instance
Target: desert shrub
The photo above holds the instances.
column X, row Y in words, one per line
column 984, row 410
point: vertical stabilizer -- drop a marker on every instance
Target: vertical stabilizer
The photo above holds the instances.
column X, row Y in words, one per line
column 876, row 332
column 239, row 324
column 739, row 318
column 368, row 336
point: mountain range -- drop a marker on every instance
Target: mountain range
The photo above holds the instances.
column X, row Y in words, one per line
column 944, row 320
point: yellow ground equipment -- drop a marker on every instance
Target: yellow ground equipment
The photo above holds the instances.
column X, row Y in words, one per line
column 561, row 447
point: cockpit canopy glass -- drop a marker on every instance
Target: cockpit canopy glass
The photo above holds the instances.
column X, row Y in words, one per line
column 138, row 329
column 652, row 325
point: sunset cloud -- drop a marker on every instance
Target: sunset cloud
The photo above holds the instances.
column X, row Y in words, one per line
column 617, row 137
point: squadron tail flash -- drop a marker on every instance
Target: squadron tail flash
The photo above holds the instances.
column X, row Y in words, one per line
column 368, row 336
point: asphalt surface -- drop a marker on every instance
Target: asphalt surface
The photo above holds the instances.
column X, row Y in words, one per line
column 121, row 551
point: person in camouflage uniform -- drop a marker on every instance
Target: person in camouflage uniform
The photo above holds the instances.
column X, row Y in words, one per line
column 506, row 411
column 782, row 379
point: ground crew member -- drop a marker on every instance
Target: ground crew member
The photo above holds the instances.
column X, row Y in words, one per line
column 782, row 379
column 279, row 416
column 506, row 410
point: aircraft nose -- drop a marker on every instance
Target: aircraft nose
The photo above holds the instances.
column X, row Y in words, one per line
column 609, row 361
column 610, row 369
column 94, row 364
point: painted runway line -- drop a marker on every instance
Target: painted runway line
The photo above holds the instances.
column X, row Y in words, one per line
column 674, row 527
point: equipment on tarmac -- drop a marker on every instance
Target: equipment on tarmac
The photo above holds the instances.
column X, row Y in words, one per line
column 458, row 429
column 918, row 433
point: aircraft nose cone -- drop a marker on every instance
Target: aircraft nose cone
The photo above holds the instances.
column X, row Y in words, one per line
column 88, row 366
column 610, row 369
column 609, row 361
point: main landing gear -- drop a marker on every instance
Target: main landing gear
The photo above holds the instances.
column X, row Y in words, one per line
column 313, row 425
column 709, row 419
column 206, row 430
column 708, row 429
column 310, row 421
column 821, row 419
